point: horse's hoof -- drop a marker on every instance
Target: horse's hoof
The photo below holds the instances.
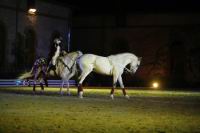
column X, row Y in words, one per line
column 68, row 94
column 127, row 97
column 61, row 93
column 80, row 95
column 41, row 92
column 24, row 83
column 112, row 96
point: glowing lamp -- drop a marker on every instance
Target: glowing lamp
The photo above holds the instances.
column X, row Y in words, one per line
column 32, row 11
column 31, row 7
column 155, row 85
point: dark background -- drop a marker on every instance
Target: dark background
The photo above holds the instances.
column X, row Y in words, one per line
column 166, row 34
column 152, row 29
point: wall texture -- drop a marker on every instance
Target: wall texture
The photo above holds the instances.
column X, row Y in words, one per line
column 25, row 37
column 168, row 42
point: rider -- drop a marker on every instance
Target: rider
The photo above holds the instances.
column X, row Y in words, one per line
column 56, row 42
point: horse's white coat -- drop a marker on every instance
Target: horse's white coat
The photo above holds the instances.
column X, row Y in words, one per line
column 57, row 53
column 112, row 65
column 63, row 64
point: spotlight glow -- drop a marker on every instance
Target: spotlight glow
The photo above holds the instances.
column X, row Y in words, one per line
column 155, row 85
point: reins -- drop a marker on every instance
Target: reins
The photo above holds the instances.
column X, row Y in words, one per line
column 127, row 70
column 65, row 65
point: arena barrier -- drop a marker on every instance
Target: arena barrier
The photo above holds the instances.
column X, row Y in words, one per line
column 16, row 82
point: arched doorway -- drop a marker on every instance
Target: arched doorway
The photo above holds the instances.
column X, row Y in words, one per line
column 3, row 36
column 30, row 45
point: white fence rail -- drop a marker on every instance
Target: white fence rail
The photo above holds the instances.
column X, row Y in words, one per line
column 16, row 82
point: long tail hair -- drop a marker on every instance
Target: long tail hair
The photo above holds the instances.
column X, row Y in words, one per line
column 26, row 75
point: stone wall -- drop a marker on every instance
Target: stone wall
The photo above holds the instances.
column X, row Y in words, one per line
column 29, row 36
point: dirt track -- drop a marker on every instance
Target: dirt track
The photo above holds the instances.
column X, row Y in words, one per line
column 145, row 111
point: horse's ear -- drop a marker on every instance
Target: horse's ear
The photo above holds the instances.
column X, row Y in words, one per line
column 139, row 58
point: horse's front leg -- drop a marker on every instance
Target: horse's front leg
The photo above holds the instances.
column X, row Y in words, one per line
column 122, row 86
column 114, row 86
column 68, row 92
column 61, row 87
column 69, row 77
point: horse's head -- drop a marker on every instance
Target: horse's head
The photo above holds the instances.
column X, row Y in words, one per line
column 57, row 41
column 135, row 64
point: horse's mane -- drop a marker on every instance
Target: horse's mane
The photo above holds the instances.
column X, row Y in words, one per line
column 123, row 54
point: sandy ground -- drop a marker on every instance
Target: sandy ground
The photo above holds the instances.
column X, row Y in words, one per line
column 145, row 111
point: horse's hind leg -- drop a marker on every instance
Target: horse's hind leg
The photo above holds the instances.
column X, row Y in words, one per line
column 44, row 75
column 36, row 73
column 82, row 78
column 46, row 82
column 42, row 87
column 41, row 78
column 34, row 84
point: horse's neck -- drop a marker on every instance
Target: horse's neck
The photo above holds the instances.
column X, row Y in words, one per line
column 59, row 68
column 72, row 56
column 68, row 60
column 63, row 62
column 121, row 59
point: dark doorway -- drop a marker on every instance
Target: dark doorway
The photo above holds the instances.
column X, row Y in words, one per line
column 30, row 45
column 2, row 44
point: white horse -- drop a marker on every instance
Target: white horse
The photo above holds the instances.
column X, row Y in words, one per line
column 113, row 65
column 65, row 66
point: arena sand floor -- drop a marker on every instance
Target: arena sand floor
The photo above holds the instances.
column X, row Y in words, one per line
column 146, row 111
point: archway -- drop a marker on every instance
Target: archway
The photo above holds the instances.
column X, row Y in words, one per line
column 3, row 36
column 30, row 45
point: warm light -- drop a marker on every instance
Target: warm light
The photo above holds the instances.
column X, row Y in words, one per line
column 155, row 85
column 32, row 11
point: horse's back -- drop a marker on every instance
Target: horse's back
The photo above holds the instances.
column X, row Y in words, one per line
column 97, row 63
column 91, row 58
column 87, row 58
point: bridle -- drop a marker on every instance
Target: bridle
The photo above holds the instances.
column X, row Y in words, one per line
column 69, row 68
column 128, row 70
column 65, row 65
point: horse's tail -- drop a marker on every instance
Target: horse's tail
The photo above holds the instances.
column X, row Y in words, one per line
column 26, row 75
